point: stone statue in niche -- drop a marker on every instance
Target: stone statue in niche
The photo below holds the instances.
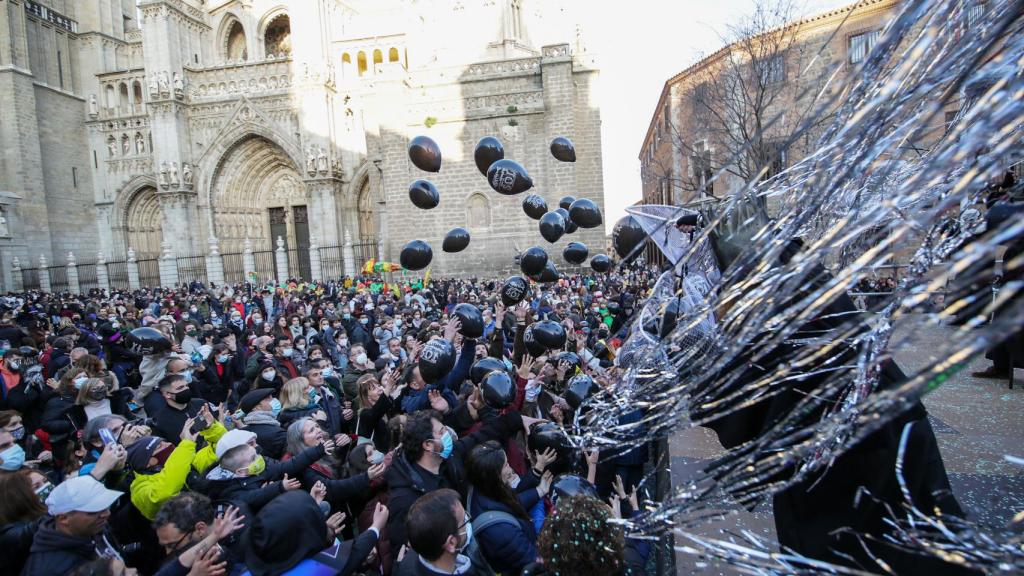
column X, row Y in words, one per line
column 174, row 173
column 164, row 87
column 154, row 87
column 311, row 161
column 179, row 84
column 126, row 146
column 4, row 230
column 94, row 107
column 112, row 146
column 165, row 174
column 321, row 161
column 140, row 144
column 186, row 173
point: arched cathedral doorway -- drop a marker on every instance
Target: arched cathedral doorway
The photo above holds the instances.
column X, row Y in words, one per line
column 257, row 193
column 141, row 231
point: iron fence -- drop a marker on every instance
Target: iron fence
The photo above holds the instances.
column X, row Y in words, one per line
column 87, row 276
column 30, row 278
column 298, row 264
column 117, row 272
column 332, row 262
column 149, row 272
column 364, row 252
column 191, row 268
column 234, row 267
column 266, row 265
column 58, row 278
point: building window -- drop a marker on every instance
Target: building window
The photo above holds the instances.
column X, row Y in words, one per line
column 60, row 69
column 774, row 159
column 478, row 213
column 700, row 167
column 74, row 177
column 361, row 63
column 861, row 45
column 278, row 37
column 975, row 12
column 665, row 117
column 236, row 46
column 771, row 70
column 393, row 55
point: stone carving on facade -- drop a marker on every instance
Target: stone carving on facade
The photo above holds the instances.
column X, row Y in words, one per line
column 311, row 161
column 186, row 174
column 112, row 146
column 165, row 88
column 154, row 86
column 94, row 107
column 321, row 162
column 174, row 174
column 165, row 175
column 4, row 231
column 126, row 145
column 140, row 143
column 179, row 85
column 556, row 51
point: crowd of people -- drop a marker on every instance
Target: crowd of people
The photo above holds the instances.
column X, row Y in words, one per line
column 307, row 429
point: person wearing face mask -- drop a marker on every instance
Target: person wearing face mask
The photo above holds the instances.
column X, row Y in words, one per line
column 12, row 455
column 61, row 399
column 267, row 377
column 441, row 537
column 432, row 458
column 159, row 468
column 21, row 510
column 28, row 395
column 261, row 351
column 235, row 323
column 340, row 416
column 181, row 405
column 191, row 341
column 186, row 527
column 261, row 410
column 361, row 330
column 95, row 399
column 338, row 348
column 385, row 332
column 284, row 354
column 227, row 366
column 359, row 363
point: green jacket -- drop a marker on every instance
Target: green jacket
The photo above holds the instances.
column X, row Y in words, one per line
column 150, row 491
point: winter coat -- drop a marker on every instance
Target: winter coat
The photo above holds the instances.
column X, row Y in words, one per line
column 270, row 436
column 54, row 553
column 150, row 491
column 407, row 481
column 507, row 547
column 15, row 544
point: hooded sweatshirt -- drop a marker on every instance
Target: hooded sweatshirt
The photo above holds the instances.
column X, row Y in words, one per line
column 54, row 552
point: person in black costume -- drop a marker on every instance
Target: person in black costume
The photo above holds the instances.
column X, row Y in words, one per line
column 819, row 516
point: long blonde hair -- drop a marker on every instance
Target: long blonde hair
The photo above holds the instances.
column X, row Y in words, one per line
column 293, row 393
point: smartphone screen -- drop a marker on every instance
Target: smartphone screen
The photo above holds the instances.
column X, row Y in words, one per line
column 107, row 436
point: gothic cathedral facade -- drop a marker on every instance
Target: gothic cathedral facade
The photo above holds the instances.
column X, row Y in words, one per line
column 170, row 127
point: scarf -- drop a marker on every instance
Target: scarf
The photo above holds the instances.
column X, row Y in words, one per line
column 260, row 417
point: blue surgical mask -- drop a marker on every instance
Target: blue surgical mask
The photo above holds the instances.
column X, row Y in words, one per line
column 447, row 445
column 223, row 358
column 275, row 407
column 187, row 374
column 469, row 534
column 328, row 372
column 287, row 352
column 13, row 457
column 80, row 381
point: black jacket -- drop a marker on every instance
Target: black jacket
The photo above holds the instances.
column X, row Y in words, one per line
column 407, row 481
column 15, row 543
column 54, row 553
column 256, row 491
column 272, row 438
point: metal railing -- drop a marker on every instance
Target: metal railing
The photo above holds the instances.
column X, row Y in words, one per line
column 234, row 267
column 87, row 276
column 58, row 278
column 191, row 268
column 332, row 262
column 30, row 278
column 298, row 264
column 266, row 265
column 149, row 272
column 117, row 272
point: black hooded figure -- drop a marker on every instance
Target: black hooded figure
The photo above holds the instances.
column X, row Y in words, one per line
column 815, row 516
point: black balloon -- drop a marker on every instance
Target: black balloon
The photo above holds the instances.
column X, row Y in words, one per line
column 535, row 206
column 570, row 226
column 484, row 366
column 585, row 213
column 425, row 154
column 533, row 260
column 570, row 485
column 145, row 341
column 575, row 253
column 514, row 290
column 552, row 226
column 627, row 235
column 579, row 388
column 436, row 360
column 471, row 319
column 546, row 436
column 488, row 151
column 455, row 240
column 416, row 255
column 498, row 389
column 563, row 211
column 548, row 274
column 549, row 334
column 508, row 177
column 424, row 194
column 562, row 149
column 571, row 358
column 566, row 202
column 534, row 347
column 601, row 263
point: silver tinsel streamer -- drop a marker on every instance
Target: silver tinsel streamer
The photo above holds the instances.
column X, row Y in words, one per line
column 855, row 202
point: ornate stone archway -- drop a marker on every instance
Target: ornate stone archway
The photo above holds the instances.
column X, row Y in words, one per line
column 256, row 185
column 137, row 220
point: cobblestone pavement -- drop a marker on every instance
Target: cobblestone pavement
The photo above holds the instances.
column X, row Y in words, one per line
column 976, row 421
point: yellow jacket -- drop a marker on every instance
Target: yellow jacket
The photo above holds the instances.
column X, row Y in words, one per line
column 150, row 491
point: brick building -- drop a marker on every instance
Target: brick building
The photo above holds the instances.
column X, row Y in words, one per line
column 172, row 127
column 693, row 149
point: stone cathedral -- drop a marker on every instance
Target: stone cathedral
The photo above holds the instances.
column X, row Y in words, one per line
column 173, row 126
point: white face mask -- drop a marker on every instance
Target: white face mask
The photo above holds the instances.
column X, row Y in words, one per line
column 269, row 375
column 361, row 358
column 513, row 481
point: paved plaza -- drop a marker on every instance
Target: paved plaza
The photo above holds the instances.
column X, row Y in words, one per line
column 976, row 422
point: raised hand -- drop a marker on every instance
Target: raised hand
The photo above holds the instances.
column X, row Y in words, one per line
column 209, row 564
column 545, row 484
column 545, row 458
column 380, row 516
column 452, row 328
column 186, row 431
column 341, row 440
column 318, row 492
column 437, row 401
column 334, row 523
column 288, row 484
column 376, row 471
column 229, row 523
column 525, row 366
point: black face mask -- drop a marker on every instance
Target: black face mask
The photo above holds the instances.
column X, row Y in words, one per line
column 183, row 397
column 97, row 394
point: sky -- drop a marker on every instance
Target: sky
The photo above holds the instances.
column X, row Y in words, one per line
column 637, row 53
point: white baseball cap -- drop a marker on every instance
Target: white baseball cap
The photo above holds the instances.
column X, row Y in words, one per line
column 80, row 494
column 233, row 439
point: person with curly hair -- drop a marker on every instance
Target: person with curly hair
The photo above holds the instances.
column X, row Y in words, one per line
column 582, row 539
